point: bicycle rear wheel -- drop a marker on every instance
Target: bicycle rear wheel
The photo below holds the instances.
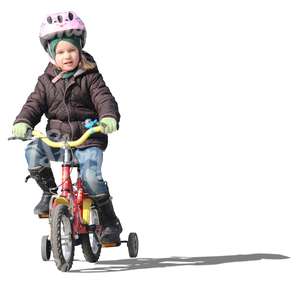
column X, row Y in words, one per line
column 61, row 238
column 90, row 242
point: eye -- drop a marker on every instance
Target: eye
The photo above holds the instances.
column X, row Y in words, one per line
column 70, row 16
column 60, row 18
column 49, row 20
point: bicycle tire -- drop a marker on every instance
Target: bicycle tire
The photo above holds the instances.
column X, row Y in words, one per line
column 91, row 249
column 62, row 243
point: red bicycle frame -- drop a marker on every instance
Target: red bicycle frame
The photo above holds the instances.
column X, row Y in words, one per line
column 73, row 197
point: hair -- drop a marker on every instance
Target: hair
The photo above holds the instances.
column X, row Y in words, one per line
column 85, row 64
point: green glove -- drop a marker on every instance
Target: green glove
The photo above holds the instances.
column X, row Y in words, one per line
column 20, row 129
column 109, row 124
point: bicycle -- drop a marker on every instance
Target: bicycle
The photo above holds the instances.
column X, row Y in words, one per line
column 74, row 219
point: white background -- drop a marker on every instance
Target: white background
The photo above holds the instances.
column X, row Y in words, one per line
column 206, row 162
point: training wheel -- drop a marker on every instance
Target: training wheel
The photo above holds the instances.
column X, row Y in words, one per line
column 133, row 244
column 45, row 248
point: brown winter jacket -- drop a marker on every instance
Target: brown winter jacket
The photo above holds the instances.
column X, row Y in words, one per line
column 83, row 96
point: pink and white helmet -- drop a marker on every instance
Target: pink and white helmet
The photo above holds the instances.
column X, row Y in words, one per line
column 60, row 24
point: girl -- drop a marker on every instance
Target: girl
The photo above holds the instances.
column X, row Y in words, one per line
column 70, row 92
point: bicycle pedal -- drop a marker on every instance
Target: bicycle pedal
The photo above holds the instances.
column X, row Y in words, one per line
column 91, row 227
column 43, row 216
column 77, row 242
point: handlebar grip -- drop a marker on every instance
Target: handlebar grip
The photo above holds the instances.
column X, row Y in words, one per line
column 28, row 134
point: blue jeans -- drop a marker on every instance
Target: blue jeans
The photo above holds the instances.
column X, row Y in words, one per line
column 90, row 160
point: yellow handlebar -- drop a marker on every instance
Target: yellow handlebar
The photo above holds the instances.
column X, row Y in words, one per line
column 76, row 143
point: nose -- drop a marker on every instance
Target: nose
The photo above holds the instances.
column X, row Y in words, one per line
column 67, row 55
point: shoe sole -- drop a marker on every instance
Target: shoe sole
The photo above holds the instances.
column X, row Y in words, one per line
column 109, row 245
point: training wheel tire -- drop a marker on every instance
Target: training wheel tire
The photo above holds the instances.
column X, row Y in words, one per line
column 133, row 245
column 45, row 248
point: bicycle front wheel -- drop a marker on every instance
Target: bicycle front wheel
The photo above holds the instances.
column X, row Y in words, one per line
column 61, row 238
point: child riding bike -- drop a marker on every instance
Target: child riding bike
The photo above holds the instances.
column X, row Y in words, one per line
column 73, row 96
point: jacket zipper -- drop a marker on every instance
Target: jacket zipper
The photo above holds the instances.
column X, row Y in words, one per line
column 66, row 105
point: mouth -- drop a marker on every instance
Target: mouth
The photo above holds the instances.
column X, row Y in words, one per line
column 68, row 63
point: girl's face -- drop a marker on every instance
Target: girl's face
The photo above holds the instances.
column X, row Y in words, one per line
column 67, row 56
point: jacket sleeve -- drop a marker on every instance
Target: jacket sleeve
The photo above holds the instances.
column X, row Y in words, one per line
column 103, row 100
column 34, row 107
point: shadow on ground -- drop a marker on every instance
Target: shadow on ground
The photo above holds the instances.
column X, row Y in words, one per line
column 144, row 263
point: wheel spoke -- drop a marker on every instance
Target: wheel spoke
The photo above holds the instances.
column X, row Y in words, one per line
column 66, row 237
column 91, row 245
